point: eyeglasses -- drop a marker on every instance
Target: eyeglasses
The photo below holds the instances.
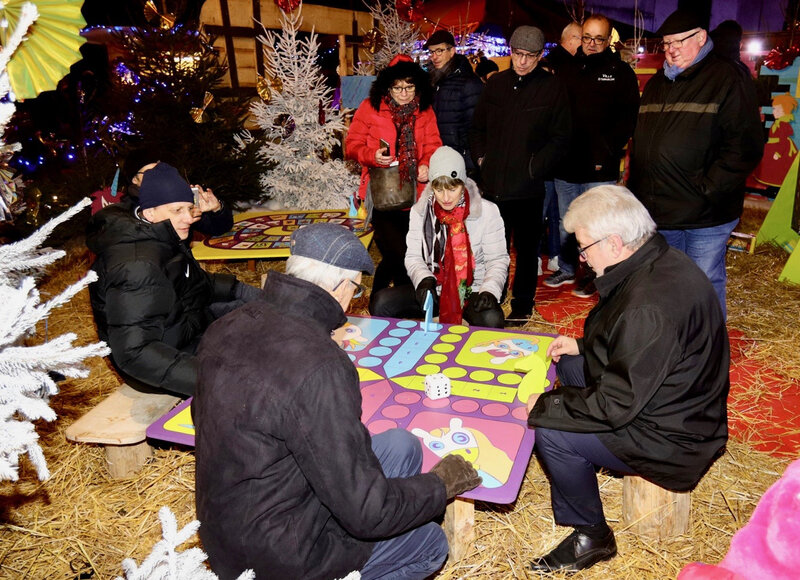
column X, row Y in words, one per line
column 359, row 291
column 593, row 39
column 406, row 89
column 440, row 51
column 523, row 55
column 582, row 251
column 665, row 46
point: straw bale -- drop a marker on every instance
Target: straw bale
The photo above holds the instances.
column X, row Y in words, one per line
column 82, row 524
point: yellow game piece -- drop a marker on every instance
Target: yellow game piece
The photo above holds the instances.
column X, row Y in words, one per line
column 534, row 381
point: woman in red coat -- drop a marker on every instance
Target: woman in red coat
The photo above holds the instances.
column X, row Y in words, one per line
column 398, row 111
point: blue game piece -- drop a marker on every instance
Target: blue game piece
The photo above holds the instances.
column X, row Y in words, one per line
column 428, row 307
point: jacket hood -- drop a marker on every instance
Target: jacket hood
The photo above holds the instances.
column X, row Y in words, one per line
column 474, row 199
column 118, row 224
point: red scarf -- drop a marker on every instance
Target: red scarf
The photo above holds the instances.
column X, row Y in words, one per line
column 404, row 117
column 458, row 263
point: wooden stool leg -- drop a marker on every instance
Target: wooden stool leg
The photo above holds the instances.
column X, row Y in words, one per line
column 459, row 527
column 654, row 512
column 125, row 460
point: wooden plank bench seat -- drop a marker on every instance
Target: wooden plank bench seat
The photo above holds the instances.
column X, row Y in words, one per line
column 118, row 423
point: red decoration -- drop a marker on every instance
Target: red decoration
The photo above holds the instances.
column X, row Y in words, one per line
column 780, row 58
column 409, row 10
column 288, row 5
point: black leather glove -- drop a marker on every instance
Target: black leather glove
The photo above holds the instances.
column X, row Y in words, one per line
column 457, row 474
column 482, row 301
column 427, row 284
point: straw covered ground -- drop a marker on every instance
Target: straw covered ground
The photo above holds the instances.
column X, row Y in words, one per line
column 81, row 524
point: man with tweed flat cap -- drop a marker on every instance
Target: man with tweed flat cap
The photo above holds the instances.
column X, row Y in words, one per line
column 521, row 128
column 289, row 482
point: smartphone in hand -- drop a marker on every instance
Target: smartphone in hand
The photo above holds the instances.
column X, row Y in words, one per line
column 385, row 145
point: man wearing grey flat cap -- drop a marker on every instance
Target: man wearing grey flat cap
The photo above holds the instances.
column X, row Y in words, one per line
column 521, row 128
column 698, row 136
column 289, row 482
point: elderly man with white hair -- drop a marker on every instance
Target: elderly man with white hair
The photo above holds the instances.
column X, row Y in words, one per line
column 644, row 390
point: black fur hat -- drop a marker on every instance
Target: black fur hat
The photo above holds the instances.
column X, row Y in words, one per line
column 402, row 67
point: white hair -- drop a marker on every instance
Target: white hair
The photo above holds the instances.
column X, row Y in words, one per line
column 323, row 275
column 610, row 209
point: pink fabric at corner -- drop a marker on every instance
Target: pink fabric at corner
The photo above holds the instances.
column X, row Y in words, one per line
column 768, row 546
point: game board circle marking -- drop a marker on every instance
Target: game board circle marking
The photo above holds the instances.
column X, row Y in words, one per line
column 454, row 372
column 495, row 410
column 465, row 406
column 380, row 351
column 443, row 348
column 370, row 361
column 452, row 338
column 520, row 413
column 428, row 369
column 352, row 357
column 395, row 412
column 407, row 323
column 435, row 358
column 390, row 341
column 407, row 398
column 481, row 376
column 436, row 404
column 459, row 329
column 508, row 379
column 381, row 425
column 399, row 332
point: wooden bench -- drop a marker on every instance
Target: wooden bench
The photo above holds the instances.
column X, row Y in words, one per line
column 118, row 423
column 654, row 512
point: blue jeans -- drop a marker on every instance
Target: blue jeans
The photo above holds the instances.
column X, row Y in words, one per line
column 551, row 243
column 707, row 248
column 567, row 192
column 420, row 552
column 570, row 459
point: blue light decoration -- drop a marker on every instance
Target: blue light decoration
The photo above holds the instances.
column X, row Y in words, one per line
column 472, row 43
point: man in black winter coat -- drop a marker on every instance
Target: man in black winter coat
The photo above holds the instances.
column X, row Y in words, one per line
column 289, row 481
column 456, row 92
column 152, row 301
column 604, row 100
column 520, row 131
column 644, row 391
column 698, row 136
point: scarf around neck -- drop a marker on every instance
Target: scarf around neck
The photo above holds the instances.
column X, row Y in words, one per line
column 404, row 117
column 672, row 71
column 447, row 251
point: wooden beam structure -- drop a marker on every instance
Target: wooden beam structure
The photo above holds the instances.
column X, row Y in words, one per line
column 235, row 24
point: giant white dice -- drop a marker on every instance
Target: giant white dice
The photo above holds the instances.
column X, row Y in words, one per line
column 437, row 386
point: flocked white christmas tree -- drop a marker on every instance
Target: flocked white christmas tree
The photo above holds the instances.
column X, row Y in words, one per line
column 25, row 383
column 10, row 185
column 301, row 125
column 393, row 35
column 166, row 563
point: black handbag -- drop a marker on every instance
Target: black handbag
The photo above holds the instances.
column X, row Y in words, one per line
column 387, row 191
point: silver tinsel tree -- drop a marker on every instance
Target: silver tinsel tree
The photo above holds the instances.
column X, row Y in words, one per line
column 300, row 124
column 25, row 382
